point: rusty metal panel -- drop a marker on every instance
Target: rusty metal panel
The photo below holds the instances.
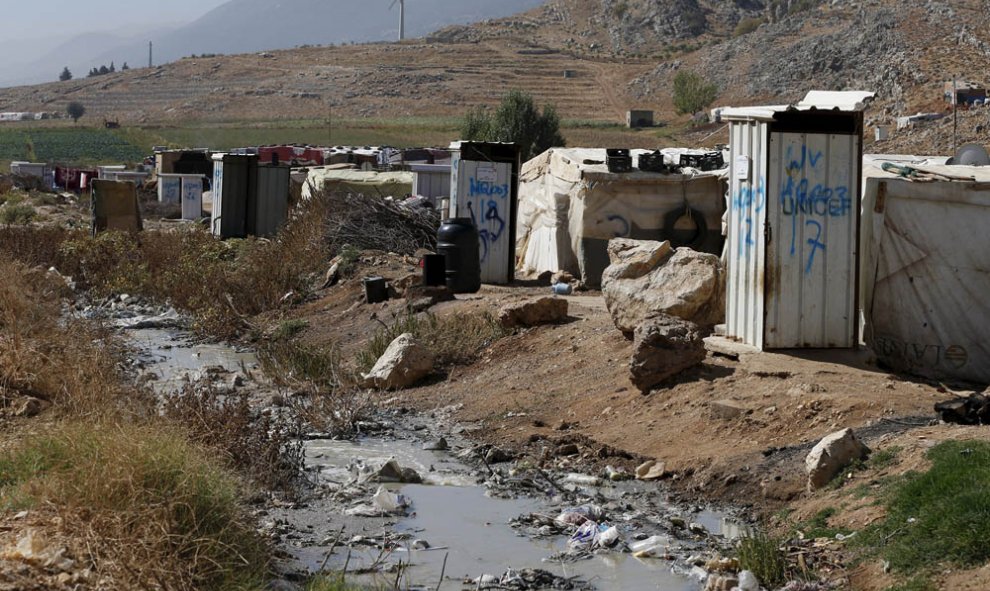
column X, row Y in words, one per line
column 746, row 244
column 811, row 257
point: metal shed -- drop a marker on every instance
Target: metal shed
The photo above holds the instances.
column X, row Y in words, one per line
column 794, row 222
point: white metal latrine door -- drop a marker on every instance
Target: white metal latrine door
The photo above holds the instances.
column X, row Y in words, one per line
column 812, row 240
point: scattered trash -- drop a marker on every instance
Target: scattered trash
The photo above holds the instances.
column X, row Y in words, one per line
column 650, row 547
column 581, row 515
column 582, row 479
column 529, row 579
column 594, row 535
column 33, row 548
column 651, row 470
column 970, row 410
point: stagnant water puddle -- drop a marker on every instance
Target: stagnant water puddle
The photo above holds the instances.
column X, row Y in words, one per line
column 455, row 516
column 463, row 525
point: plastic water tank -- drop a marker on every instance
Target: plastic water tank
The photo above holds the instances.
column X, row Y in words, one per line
column 458, row 241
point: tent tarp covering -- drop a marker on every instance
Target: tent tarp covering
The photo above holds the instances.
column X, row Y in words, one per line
column 570, row 206
column 926, row 272
column 115, row 206
column 385, row 184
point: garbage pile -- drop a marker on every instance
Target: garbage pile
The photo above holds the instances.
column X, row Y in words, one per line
column 969, row 410
column 529, row 579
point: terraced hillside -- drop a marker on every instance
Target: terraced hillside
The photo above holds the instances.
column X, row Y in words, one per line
column 618, row 54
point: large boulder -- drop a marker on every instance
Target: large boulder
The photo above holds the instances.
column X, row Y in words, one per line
column 831, row 455
column 404, row 363
column 663, row 347
column 533, row 312
column 647, row 277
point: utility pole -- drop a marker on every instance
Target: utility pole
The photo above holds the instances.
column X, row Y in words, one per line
column 150, row 61
column 955, row 116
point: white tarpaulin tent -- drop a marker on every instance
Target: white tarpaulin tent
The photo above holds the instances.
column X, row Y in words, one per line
column 385, row 184
column 570, row 206
column 926, row 272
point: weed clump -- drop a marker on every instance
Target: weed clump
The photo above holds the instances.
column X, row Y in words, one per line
column 261, row 448
column 939, row 516
column 144, row 505
column 455, row 339
column 761, row 554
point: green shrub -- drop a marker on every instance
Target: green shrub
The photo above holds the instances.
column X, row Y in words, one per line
column 17, row 214
column 692, row 93
column 747, row 26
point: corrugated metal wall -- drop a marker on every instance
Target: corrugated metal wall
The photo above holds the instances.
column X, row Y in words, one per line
column 811, row 258
column 272, row 204
column 192, row 197
column 746, row 238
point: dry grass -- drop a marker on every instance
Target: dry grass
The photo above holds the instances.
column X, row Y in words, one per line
column 259, row 447
column 139, row 505
column 71, row 363
column 455, row 339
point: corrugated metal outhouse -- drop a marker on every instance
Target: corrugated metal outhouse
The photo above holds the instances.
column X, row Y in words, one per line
column 431, row 181
column 794, row 222
column 484, row 186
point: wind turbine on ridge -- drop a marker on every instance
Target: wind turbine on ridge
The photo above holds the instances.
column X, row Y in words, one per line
column 402, row 17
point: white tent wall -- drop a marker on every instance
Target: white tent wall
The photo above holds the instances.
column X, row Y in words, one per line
column 926, row 273
column 570, row 206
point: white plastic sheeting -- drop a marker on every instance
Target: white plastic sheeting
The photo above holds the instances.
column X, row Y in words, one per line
column 926, row 271
column 385, row 184
column 570, row 206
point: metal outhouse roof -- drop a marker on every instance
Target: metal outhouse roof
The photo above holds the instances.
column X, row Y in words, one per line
column 816, row 100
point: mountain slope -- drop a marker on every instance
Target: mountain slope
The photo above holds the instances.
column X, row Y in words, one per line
column 755, row 51
column 242, row 26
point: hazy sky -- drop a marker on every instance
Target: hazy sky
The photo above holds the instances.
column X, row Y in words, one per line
column 41, row 18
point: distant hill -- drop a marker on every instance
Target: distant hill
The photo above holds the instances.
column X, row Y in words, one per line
column 242, row 26
column 594, row 59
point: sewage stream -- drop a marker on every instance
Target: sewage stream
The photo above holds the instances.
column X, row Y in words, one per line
column 452, row 510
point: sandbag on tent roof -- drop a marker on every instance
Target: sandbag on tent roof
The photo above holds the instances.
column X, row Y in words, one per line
column 570, row 206
column 385, row 184
column 925, row 271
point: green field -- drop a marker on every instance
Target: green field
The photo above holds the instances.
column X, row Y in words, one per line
column 71, row 144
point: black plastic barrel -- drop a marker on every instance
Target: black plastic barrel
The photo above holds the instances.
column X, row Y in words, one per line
column 375, row 290
column 434, row 270
column 458, row 242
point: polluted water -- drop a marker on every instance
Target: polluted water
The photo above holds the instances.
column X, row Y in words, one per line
column 451, row 531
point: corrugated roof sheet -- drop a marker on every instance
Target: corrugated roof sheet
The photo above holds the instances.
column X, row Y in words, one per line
column 822, row 100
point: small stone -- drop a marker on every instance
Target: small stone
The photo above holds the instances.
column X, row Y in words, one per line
column 697, row 528
column 651, row 470
column 568, row 449
column 438, row 445
column 498, row 455
column 727, row 409
column 30, row 407
column 833, row 453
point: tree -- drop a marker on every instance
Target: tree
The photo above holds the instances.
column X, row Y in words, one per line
column 517, row 120
column 66, row 75
column 103, row 70
column 75, row 109
column 112, row 67
column 124, row 67
column 692, row 93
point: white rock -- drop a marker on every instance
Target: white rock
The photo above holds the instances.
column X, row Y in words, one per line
column 831, row 455
column 403, row 364
column 648, row 277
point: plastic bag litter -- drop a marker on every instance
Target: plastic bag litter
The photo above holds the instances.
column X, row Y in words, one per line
column 33, row 548
column 580, row 515
column 389, row 502
column 594, row 535
column 382, row 502
column 648, row 547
